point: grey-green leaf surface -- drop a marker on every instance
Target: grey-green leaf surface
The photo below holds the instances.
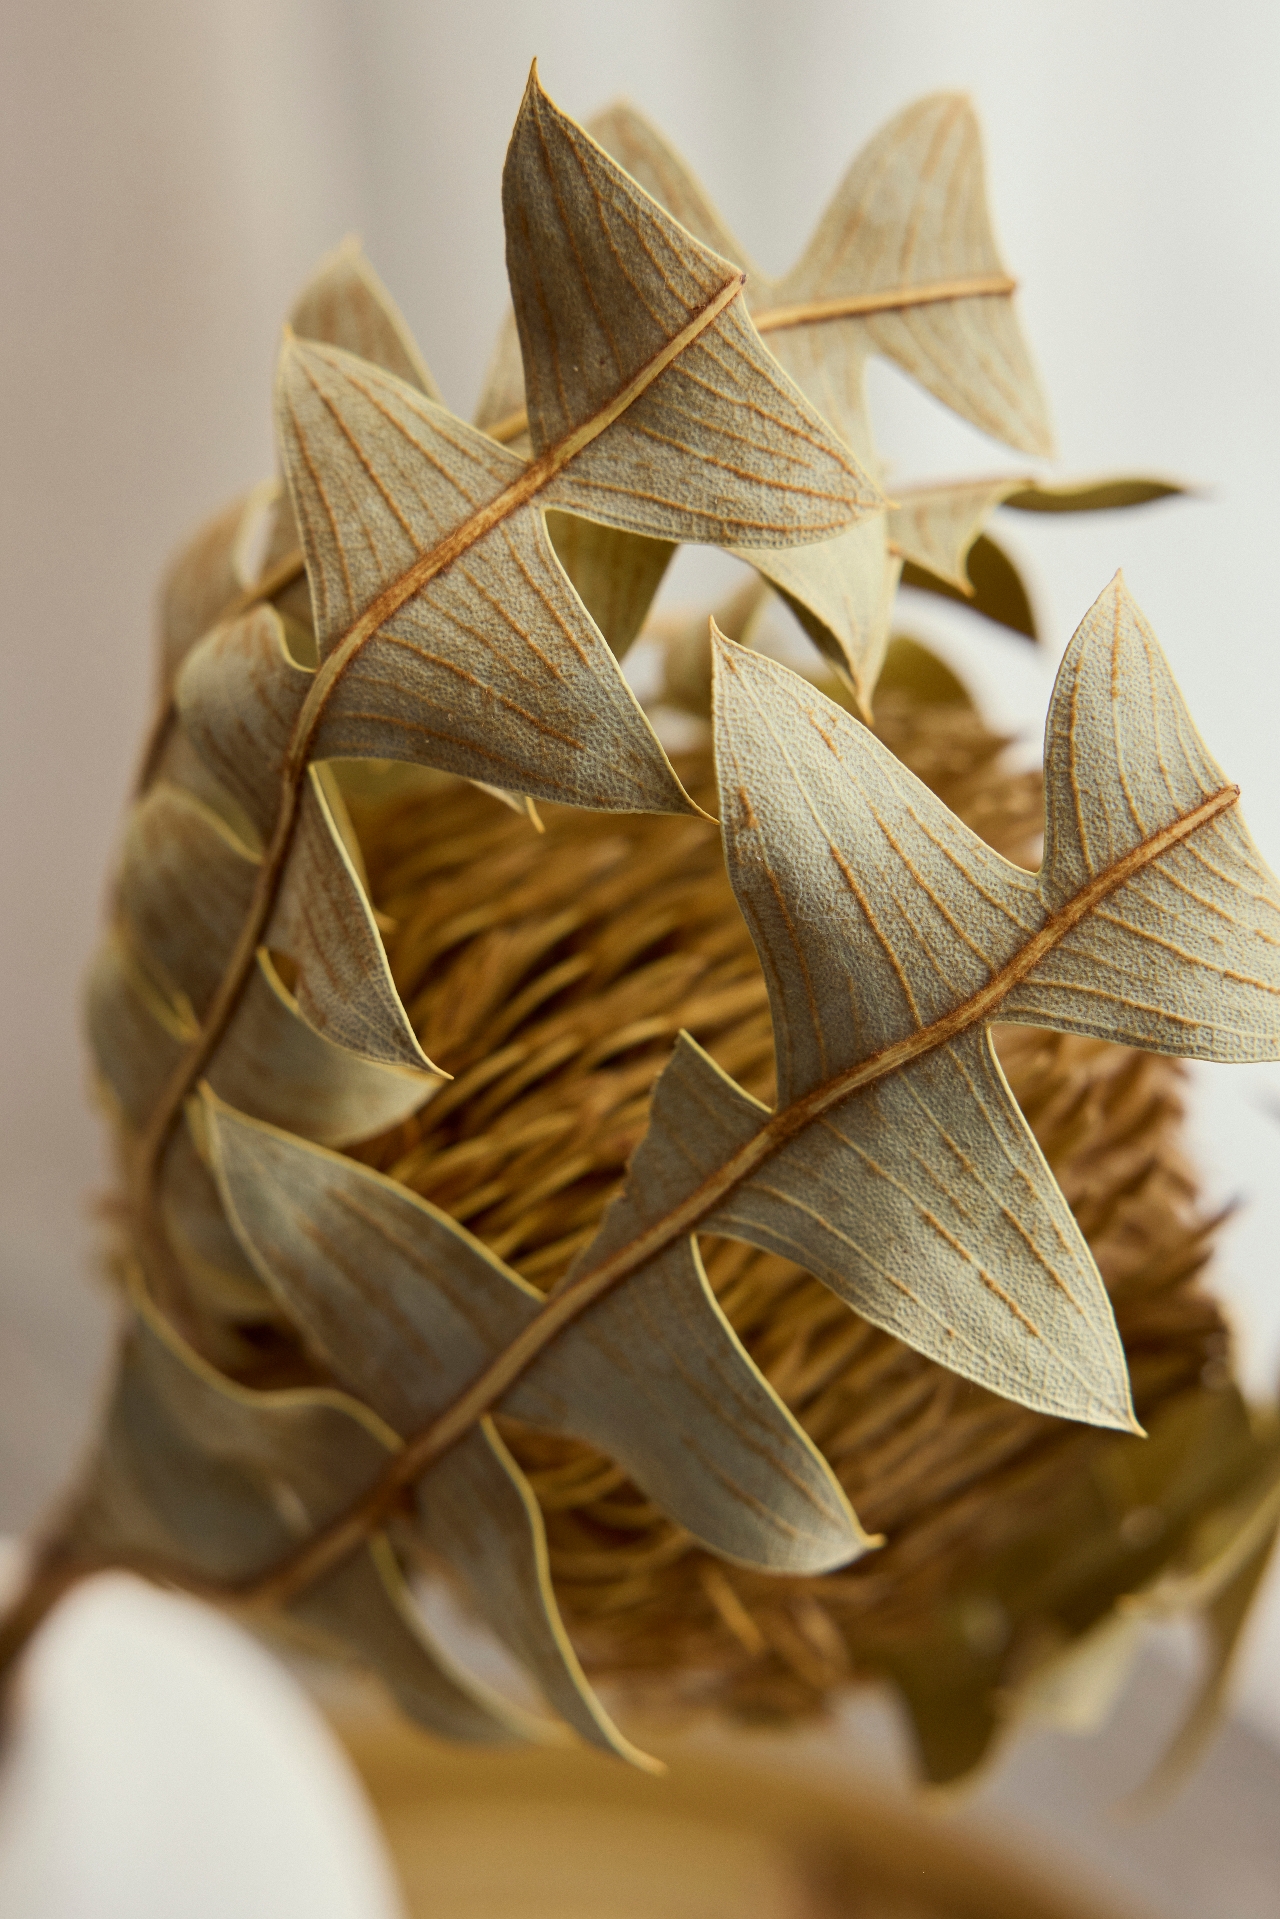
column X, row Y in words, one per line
column 332, row 1240
column 614, row 574
column 345, row 304
column 222, row 1278
column 911, row 214
column 1091, row 496
column 652, row 1374
column 271, row 1062
column 324, row 923
column 219, row 1482
column 1184, row 957
column 994, row 587
column 239, row 695
column 202, row 578
column 842, row 593
column 136, row 1034
column 910, row 218
column 889, row 934
column 938, row 530
column 933, row 527
column 183, row 891
column 493, row 668
column 636, row 144
column 476, row 1513
column 717, row 445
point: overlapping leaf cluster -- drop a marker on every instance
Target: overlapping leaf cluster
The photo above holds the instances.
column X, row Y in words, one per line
column 243, row 1015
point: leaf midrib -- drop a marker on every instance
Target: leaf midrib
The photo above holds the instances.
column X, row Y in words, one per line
column 847, row 306
column 525, row 487
column 330, row 1546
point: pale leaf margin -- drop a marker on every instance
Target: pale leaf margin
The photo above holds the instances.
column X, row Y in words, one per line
column 526, row 488
column 1113, row 613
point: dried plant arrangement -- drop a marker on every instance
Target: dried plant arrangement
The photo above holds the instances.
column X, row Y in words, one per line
column 722, row 1215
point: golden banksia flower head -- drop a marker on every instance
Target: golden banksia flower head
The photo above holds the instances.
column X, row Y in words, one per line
column 625, row 1214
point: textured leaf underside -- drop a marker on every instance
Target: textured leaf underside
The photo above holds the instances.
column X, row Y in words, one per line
column 243, row 1013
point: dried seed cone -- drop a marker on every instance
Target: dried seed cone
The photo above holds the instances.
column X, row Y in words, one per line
column 550, row 974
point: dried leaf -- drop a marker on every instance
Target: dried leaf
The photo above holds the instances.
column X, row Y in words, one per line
column 221, row 1275
column 842, row 594
column 937, row 528
column 345, row 304
column 933, row 527
column 638, row 146
column 476, row 1512
column 270, row 1061
column 680, row 460
column 218, row 1482
column 911, row 668
column 202, row 578
column 994, row 587
column 652, row 1375
column 614, row 574
column 137, row 1036
column 909, row 226
column 184, row 889
column 430, row 1304
column 324, row 924
column 895, row 267
column 239, row 696
column 246, row 960
column 897, row 1167
column 186, row 886
column 452, row 554
column 1091, row 496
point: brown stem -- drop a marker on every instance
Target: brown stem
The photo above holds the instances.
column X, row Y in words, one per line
column 326, row 1548
column 59, row 1569
column 849, row 306
column 524, row 488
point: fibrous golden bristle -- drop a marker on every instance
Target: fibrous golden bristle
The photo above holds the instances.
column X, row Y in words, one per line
column 550, row 974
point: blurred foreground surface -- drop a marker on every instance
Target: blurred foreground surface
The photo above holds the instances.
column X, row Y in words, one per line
column 162, row 1766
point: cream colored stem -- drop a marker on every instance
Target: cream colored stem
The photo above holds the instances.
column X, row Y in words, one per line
column 329, row 1547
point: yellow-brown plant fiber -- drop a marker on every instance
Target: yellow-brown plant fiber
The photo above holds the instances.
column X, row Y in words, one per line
column 550, row 974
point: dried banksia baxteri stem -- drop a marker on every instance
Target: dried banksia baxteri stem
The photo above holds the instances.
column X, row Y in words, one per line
column 625, row 1212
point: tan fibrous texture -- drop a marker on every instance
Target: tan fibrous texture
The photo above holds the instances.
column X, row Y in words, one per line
column 333, row 1349
column 554, row 994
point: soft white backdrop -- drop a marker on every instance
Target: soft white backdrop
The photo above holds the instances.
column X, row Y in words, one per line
column 170, row 173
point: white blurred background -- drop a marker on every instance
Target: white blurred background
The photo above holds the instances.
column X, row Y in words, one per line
column 171, row 171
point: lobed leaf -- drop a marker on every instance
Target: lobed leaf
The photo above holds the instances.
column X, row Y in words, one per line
column 1184, row 956
column 938, row 532
column 653, row 1375
column 897, row 1166
column 887, row 271
column 492, row 668
column 345, row 304
column 271, row 1061
column 934, row 527
column 993, row 587
column 623, row 315
column 218, row 1482
column 911, row 216
column 239, row 696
